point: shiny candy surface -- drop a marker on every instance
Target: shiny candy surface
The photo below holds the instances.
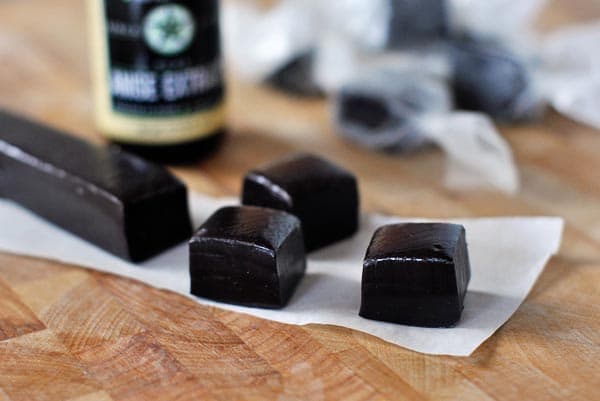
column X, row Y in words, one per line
column 121, row 203
column 416, row 274
column 322, row 195
column 248, row 256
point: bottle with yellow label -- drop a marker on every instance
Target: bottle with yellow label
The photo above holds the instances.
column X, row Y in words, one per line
column 157, row 74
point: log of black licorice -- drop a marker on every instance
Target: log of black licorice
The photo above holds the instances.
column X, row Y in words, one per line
column 117, row 201
column 416, row 274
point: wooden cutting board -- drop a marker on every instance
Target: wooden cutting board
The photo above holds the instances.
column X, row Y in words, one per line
column 72, row 334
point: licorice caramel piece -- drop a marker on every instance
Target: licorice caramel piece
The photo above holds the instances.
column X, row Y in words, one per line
column 248, row 256
column 416, row 274
column 322, row 195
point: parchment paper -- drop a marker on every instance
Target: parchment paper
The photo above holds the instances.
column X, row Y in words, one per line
column 507, row 257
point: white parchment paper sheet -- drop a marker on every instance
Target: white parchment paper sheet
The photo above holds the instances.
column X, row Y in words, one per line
column 507, row 257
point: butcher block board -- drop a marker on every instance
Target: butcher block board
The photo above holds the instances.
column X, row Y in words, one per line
column 67, row 333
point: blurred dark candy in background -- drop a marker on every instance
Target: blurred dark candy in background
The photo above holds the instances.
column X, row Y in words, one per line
column 485, row 74
column 296, row 77
column 488, row 77
column 413, row 22
column 381, row 109
column 403, row 73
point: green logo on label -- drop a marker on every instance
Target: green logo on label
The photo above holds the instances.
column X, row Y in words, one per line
column 169, row 29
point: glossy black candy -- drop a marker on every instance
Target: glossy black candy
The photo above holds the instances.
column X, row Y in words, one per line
column 416, row 274
column 322, row 195
column 119, row 202
column 248, row 256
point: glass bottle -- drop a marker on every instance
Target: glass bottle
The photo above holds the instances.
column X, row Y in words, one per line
column 157, row 76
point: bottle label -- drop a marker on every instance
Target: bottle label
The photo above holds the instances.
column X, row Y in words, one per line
column 160, row 79
column 163, row 56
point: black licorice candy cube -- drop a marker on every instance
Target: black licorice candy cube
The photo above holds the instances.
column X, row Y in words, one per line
column 416, row 274
column 121, row 203
column 322, row 195
column 248, row 256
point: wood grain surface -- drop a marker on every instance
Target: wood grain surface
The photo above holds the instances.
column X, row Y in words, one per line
column 72, row 334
